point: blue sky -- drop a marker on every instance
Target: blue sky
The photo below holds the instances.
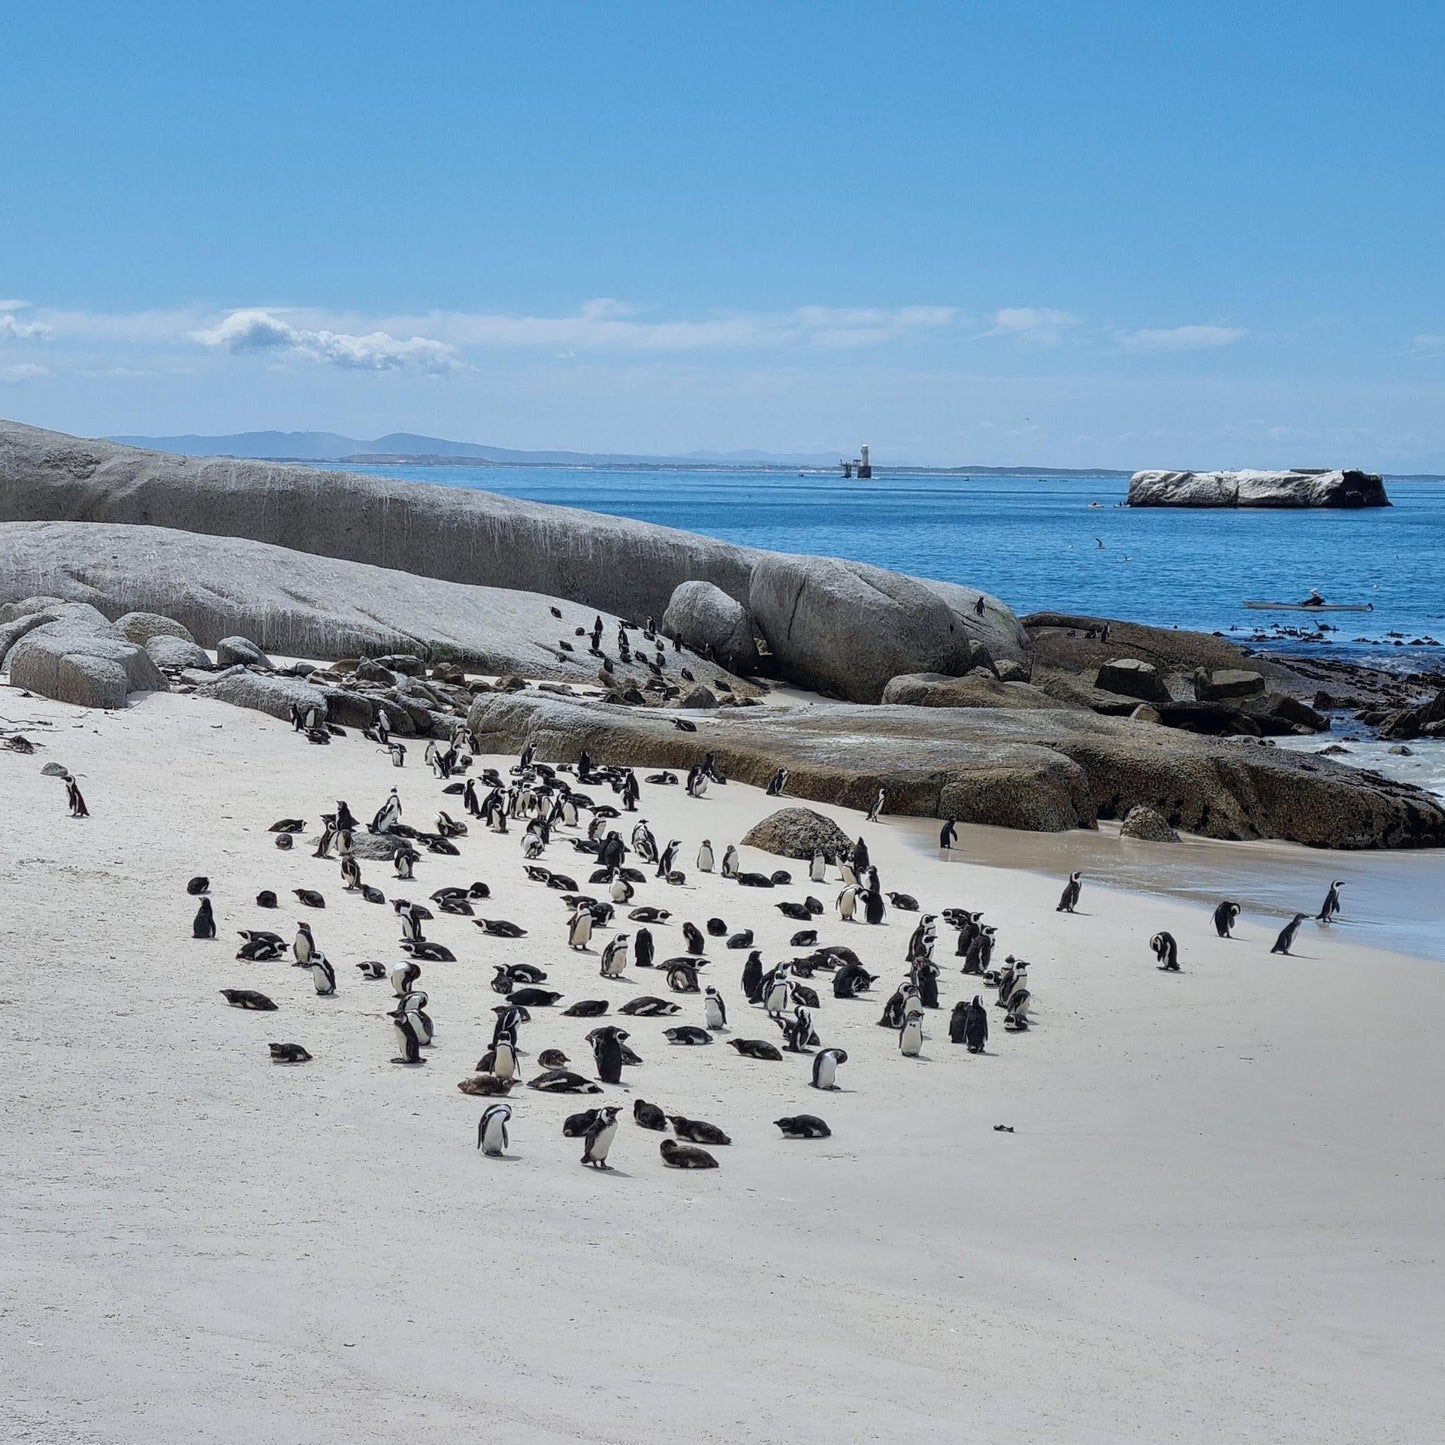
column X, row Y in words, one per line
column 1110, row 234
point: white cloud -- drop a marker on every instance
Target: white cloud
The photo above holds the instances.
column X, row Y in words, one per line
column 1180, row 338
column 10, row 325
column 255, row 330
column 609, row 325
column 25, row 371
column 1042, row 324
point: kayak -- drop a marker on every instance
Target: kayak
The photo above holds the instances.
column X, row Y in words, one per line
column 1311, row 606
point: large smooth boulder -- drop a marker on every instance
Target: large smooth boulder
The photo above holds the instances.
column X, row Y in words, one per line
column 1345, row 488
column 265, row 692
column 710, row 622
column 303, row 606
column 1130, row 677
column 176, row 652
column 458, row 534
column 240, row 651
column 845, row 628
column 73, row 664
column 974, row 689
column 142, row 626
column 798, row 833
column 1044, row 770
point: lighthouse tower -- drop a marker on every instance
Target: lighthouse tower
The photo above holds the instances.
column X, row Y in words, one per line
column 865, row 470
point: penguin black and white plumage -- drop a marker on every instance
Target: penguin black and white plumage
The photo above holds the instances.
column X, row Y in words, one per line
column 803, row 1126
column 798, row 1031
column 614, row 956
column 693, row 939
column 303, row 947
column 667, row 859
column 643, row 843
column 910, row 1036
column 492, row 1136
column 825, row 1067
column 643, row 949
column 818, row 866
column 975, row 1026
column 408, row 1037
column 948, row 834
column 777, row 783
column 415, row 1004
column 714, row 1009
column 1069, row 899
column 607, row 1053
column 203, row 925
column 1331, row 905
column 873, row 908
column 704, row 857
column 876, row 810
column 1285, row 941
column 696, row 782
column 388, row 815
column 75, row 798
column 685, row 1156
column 403, row 975
column 848, row 902
column 753, row 977
column 323, row 975
column 403, row 860
column 600, row 1136
column 980, row 951
column 730, row 867
column 575, row 1126
column 925, row 979
column 1225, row 917
column 579, row 928
column 248, row 998
column 503, row 1058
column 350, row 874
column 1166, row 950
column 775, row 999
column 687, row 1034
column 1017, row 1019
column 198, row 885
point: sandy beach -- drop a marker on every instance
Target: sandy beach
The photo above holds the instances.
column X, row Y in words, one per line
column 1218, row 1216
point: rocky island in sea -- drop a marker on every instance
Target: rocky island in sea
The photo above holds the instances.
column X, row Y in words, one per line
column 1292, row 489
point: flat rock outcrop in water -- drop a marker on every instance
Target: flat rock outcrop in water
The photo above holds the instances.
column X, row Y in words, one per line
column 1041, row 770
column 1257, row 489
column 457, row 534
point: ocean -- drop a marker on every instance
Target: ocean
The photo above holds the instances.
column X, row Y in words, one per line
column 1035, row 541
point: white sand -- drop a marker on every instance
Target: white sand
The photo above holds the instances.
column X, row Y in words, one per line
column 1219, row 1218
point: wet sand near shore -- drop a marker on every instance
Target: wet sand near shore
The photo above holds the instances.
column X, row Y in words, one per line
column 1392, row 900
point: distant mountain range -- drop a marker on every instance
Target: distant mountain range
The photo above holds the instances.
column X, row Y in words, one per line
column 409, row 448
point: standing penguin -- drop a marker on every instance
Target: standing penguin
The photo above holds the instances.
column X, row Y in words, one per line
column 818, row 868
column 877, row 807
column 776, row 999
column 1285, row 941
column 1069, row 899
column 504, row 1057
column 873, row 908
column 204, row 923
column 579, row 927
column 948, row 834
column 1166, row 950
column 303, row 946
column 975, row 1026
column 1225, row 917
column 388, row 815
column 714, row 1009
column 753, row 976
column 607, row 1052
column 667, row 859
column 75, row 799
column 323, row 975
column 492, row 1130
column 614, row 957
column 599, row 1137
column 825, row 1067
column 415, row 1004
column 408, row 1038
column 925, row 977
column 848, row 902
column 910, row 1036
column 642, row 948
column 777, row 783
column 350, row 873
column 704, row 857
column 730, row 862
column 1331, row 905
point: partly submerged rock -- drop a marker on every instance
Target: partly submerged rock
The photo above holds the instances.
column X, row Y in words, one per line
column 1147, row 824
column 798, row 833
column 1257, row 489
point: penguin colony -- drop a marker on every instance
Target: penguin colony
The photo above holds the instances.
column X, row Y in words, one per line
column 568, row 839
